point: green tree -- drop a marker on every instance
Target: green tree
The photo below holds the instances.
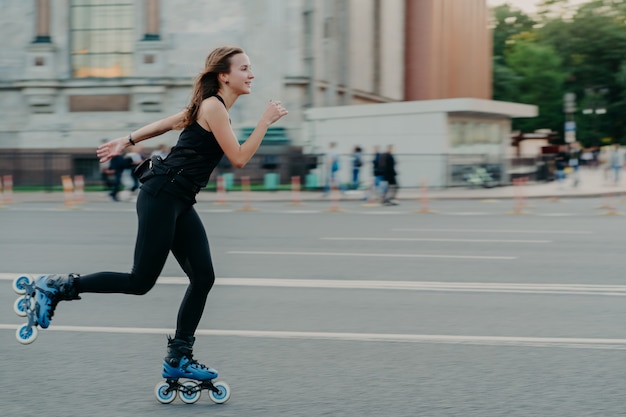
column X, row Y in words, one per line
column 592, row 45
column 507, row 23
column 505, row 82
column 540, row 82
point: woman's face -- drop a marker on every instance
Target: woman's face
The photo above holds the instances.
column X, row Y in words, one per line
column 241, row 76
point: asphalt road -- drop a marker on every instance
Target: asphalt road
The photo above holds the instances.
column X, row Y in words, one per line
column 372, row 311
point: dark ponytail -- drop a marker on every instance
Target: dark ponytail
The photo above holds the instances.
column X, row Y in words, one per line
column 207, row 83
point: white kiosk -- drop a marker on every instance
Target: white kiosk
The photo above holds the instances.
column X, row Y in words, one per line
column 435, row 141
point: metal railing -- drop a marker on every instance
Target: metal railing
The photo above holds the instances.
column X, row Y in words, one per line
column 44, row 169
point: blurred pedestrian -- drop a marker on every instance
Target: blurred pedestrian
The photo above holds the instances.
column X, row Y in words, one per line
column 616, row 162
column 574, row 160
column 134, row 157
column 375, row 190
column 332, row 165
column 106, row 175
column 357, row 162
column 388, row 165
column 117, row 165
column 560, row 163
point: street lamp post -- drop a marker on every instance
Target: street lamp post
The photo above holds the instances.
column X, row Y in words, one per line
column 569, row 108
column 594, row 106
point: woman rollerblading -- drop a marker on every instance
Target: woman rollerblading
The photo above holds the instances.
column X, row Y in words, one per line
column 167, row 219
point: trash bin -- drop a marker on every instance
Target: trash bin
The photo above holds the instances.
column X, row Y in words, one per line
column 310, row 181
column 270, row 181
column 229, row 178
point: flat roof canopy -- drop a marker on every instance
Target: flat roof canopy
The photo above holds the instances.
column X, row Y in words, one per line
column 453, row 105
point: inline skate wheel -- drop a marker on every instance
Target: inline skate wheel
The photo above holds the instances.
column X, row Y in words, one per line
column 223, row 393
column 163, row 394
column 21, row 306
column 189, row 393
column 26, row 334
column 19, row 284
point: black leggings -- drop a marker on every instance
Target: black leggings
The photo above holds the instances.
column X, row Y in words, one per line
column 165, row 223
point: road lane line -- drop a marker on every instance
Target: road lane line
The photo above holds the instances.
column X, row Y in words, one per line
column 544, row 342
column 417, row 239
column 434, row 286
column 552, row 232
column 469, row 213
column 571, row 289
column 372, row 255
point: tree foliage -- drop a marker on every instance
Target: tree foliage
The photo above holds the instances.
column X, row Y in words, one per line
column 566, row 48
column 540, row 82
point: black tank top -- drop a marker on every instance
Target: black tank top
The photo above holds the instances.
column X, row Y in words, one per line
column 195, row 156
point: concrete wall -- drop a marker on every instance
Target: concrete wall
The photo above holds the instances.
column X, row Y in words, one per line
column 420, row 132
column 34, row 108
column 447, row 50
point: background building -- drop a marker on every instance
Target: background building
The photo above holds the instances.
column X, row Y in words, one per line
column 76, row 72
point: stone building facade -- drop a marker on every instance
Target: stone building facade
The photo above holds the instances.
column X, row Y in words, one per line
column 76, row 72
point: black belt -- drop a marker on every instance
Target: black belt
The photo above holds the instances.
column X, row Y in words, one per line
column 177, row 177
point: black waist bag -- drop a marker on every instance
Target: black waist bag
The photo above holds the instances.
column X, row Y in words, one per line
column 156, row 167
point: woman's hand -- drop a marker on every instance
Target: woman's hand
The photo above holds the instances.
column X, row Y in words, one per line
column 273, row 112
column 108, row 150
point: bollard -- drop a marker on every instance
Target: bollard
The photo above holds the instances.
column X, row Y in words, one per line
column 79, row 189
column 518, row 196
column 611, row 207
column 334, row 199
column 68, row 191
column 296, row 199
column 8, row 189
column 247, row 199
column 423, row 198
column 221, row 191
column 606, row 202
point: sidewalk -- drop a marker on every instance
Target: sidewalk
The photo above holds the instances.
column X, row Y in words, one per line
column 592, row 184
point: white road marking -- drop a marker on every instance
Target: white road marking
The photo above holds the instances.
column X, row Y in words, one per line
column 469, row 213
column 484, row 287
column 371, row 255
column 295, row 211
column 411, row 239
column 571, row 289
column 381, row 213
column 545, row 342
column 556, row 214
column 552, row 232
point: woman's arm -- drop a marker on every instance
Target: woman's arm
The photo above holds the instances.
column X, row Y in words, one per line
column 213, row 113
column 114, row 147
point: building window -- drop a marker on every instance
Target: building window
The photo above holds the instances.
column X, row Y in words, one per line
column 43, row 22
column 102, row 38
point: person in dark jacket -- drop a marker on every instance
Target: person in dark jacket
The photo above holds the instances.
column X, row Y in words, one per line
column 374, row 192
column 389, row 174
column 117, row 164
column 560, row 163
column 357, row 162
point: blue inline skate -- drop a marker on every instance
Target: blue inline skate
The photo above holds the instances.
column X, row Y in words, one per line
column 179, row 363
column 39, row 300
